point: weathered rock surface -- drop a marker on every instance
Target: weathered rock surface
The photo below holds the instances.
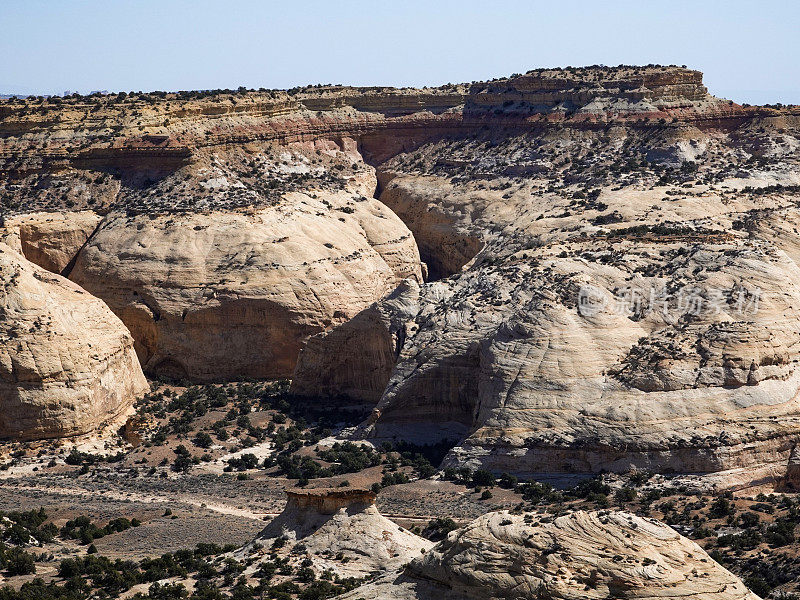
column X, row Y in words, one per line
column 50, row 240
column 507, row 359
column 342, row 530
column 532, row 197
column 644, row 326
column 235, row 294
column 579, row 556
column 442, row 234
column 792, row 480
column 356, row 359
column 105, row 146
column 67, row 365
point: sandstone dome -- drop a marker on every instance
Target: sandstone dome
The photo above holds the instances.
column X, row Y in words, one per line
column 67, row 364
column 235, row 294
column 579, row 556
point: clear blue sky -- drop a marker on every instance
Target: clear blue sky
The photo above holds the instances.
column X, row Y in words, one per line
column 749, row 51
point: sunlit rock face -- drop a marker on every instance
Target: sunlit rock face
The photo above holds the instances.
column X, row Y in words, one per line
column 229, row 294
column 583, row 555
column 67, row 364
column 344, row 523
column 559, row 211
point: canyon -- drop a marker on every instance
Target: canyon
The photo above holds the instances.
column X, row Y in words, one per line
column 564, row 271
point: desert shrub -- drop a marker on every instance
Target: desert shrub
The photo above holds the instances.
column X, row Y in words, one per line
column 438, row 528
column 483, row 478
column 202, row 440
column 242, row 463
column 17, row 562
column 349, row 457
column 721, row 507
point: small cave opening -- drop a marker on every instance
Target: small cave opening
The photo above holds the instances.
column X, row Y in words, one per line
column 169, row 368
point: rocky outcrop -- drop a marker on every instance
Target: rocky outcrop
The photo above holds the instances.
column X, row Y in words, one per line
column 67, row 365
column 233, row 294
column 575, row 354
column 442, row 231
column 238, row 226
column 539, row 365
column 223, row 262
column 579, row 556
column 342, row 530
column 303, row 504
column 354, row 360
column 50, row 240
column 792, row 478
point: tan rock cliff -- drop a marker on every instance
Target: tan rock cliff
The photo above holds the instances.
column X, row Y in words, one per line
column 67, row 365
column 234, row 294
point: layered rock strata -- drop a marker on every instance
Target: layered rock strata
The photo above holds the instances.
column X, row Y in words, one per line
column 84, row 152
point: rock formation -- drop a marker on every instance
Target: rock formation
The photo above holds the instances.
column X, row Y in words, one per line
column 67, row 365
column 342, row 530
column 605, row 322
column 579, row 556
column 612, row 255
column 231, row 294
column 105, row 147
column 792, row 476
column 680, row 358
column 50, row 240
column 445, row 243
column 356, row 359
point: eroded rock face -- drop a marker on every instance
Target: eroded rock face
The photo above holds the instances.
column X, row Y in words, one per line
column 642, row 325
column 580, row 556
column 354, row 360
column 792, row 479
column 50, row 240
column 566, row 389
column 314, row 502
column 344, row 523
column 67, row 364
column 235, row 294
column 521, row 192
column 445, row 242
